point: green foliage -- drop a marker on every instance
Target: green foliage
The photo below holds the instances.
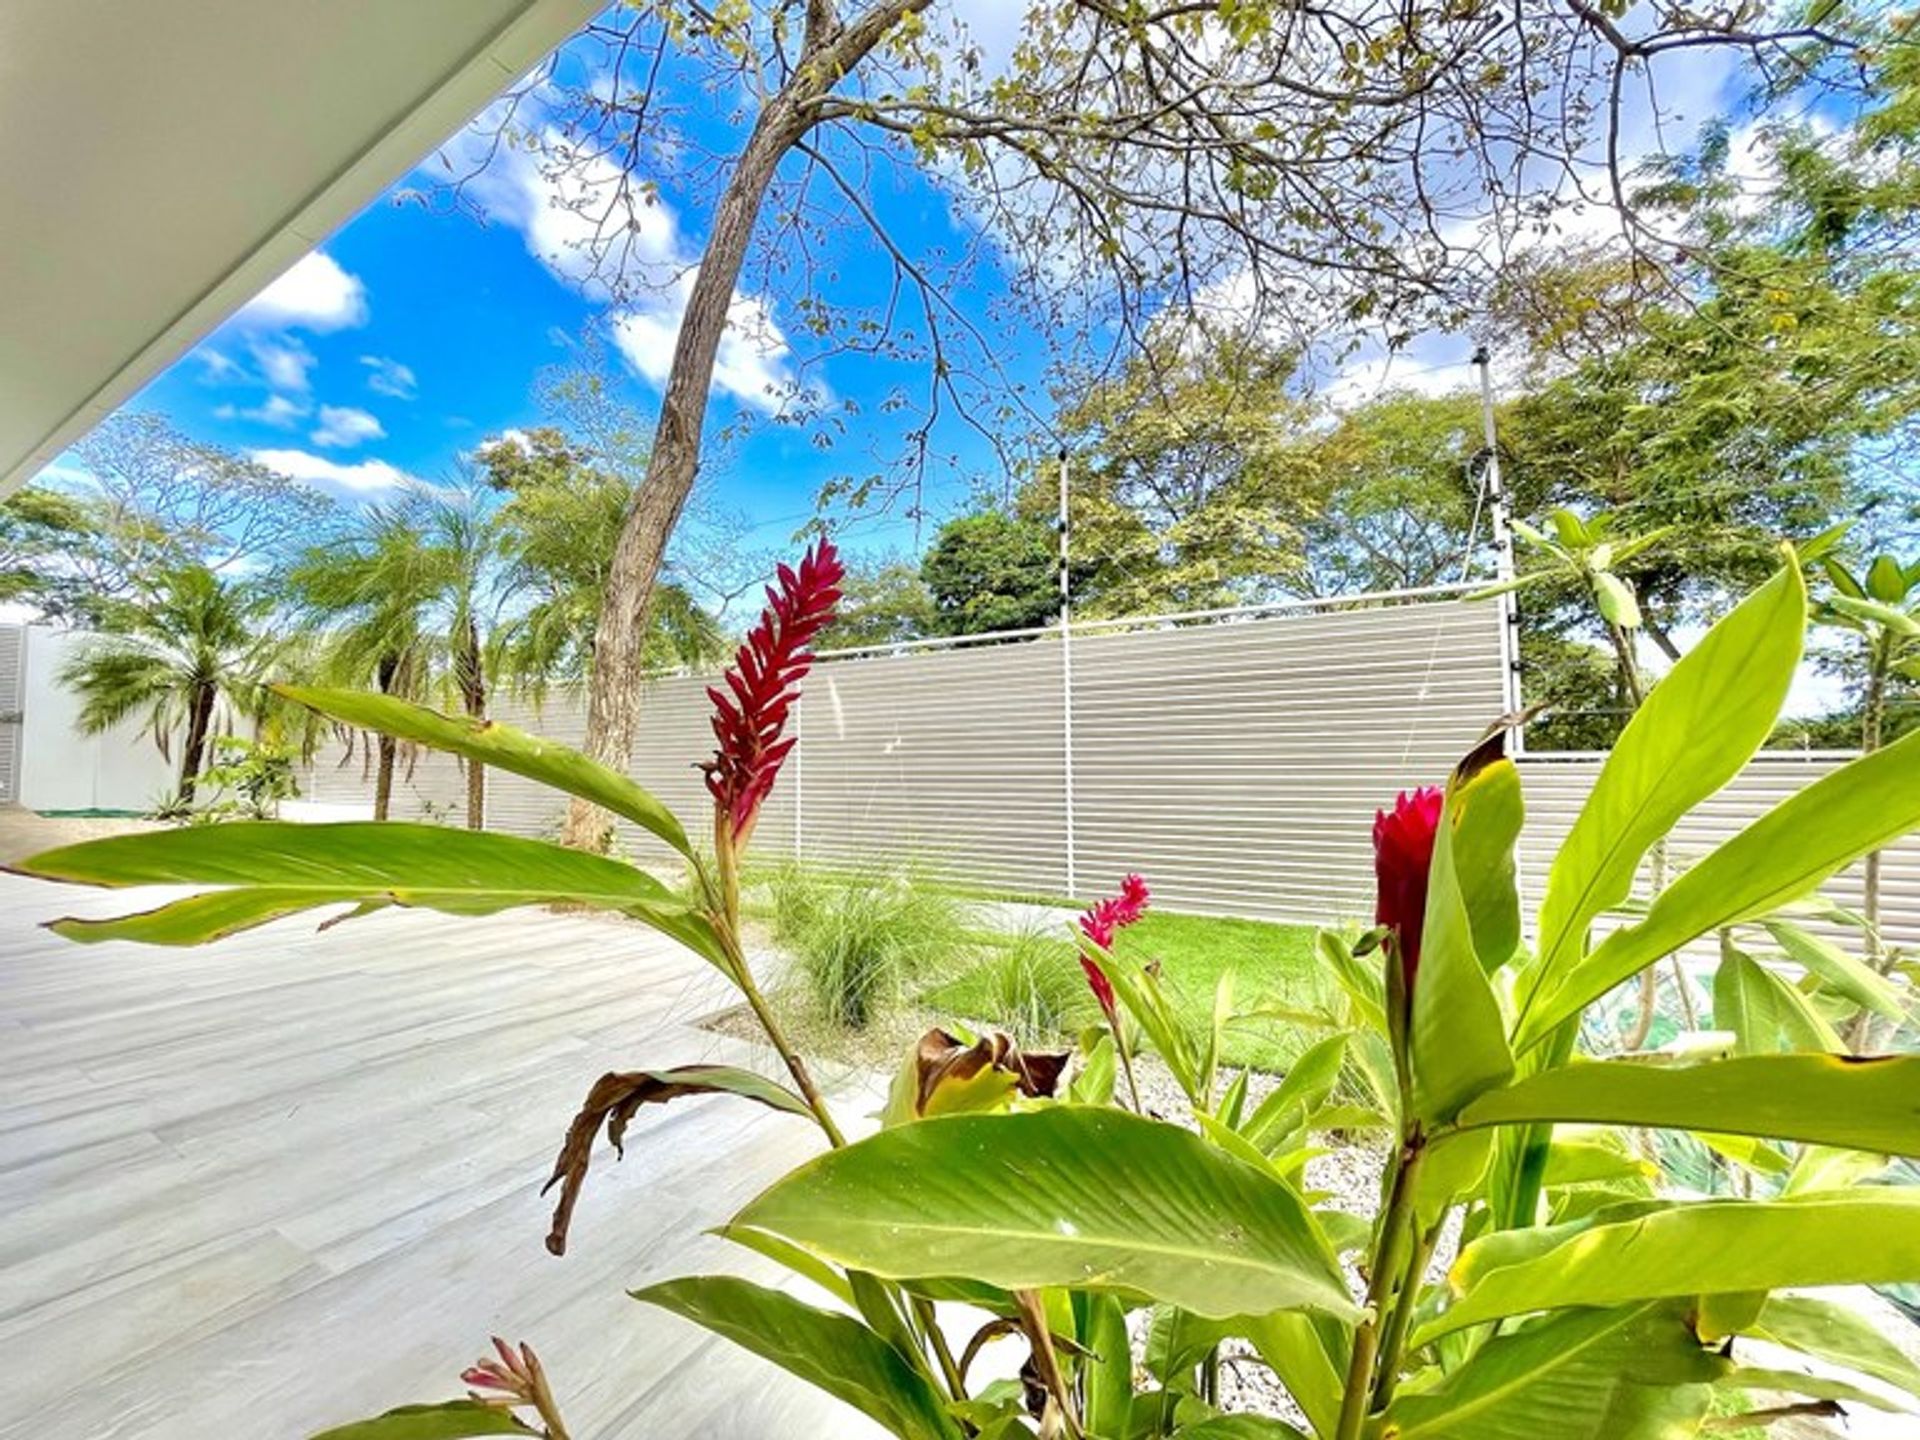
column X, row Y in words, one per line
column 1583, row 1297
column 857, row 937
column 249, row 779
column 190, row 655
column 883, row 601
column 1063, row 1195
column 1030, row 982
column 992, row 571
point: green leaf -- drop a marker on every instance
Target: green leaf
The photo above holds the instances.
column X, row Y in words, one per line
column 1874, row 613
column 835, row 1353
column 1633, row 1373
column 783, row 1252
column 454, row 1420
column 1887, row 580
column 1109, row 1369
column 1309, row 1353
column 1787, row 853
column 1861, row 1104
column 1238, row 1427
column 1794, row 1382
column 503, row 748
column 278, row 868
column 1486, row 829
column 1763, row 1011
column 1697, row 729
column 1862, row 1237
column 1615, row 599
column 1307, row 1083
column 1070, row 1196
column 1838, row 1334
column 1457, row 1038
column 1852, row 978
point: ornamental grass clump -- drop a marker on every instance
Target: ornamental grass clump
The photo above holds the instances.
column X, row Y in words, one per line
column 1585, row 1303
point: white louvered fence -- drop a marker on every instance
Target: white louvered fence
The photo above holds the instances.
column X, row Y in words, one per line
column 1236, row 761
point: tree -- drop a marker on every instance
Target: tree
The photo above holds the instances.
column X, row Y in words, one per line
column 408, row 598
column 883, row 601
column 1285, row 164
column 43, row 532
column 558, row 526
column 196, row 642
column 1186, row 484
column 992, row 571
column 1393, row 497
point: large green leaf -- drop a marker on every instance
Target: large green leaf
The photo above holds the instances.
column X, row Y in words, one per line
column 276, row 868
column 1633, row 1373
column 1457, row 1038
column 1698, row 727
column 1108, row 1368
column 1836, row 1333
column 1070, row 1196
column 1488, row 815
column 455, row 1420
column 1784, row 855
column 1309, row 1353
column 1862, row 1104
column 502, row 747
column 836, row 1353
column 1853, row 978
column 1860, row 1237
column 1764, row 1012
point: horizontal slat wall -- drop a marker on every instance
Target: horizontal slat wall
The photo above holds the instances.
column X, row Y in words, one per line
column 1556, row 786
column 954, row 758
column 1239, row 766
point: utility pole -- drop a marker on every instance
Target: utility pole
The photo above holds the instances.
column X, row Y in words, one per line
column 1503, row 567
column 1066, row 676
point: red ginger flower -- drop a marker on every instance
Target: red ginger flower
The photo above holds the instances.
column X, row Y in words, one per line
column 1099, row 925
column 1402, row 855
column 765, row 671
column 505, row 1382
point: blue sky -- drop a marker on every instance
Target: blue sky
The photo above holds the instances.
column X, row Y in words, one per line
column 417, row 331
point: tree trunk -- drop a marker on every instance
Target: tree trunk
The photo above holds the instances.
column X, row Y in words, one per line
column 830, row 52
column 386, row 675
column 473, row 697
column 613, row 691
column 194, row 753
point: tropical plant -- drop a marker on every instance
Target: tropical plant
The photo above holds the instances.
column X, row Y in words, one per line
column 857, row 936
column 1882, row 608
column 1583, row 1300
column 195, row 644
column 407, row 599
column 248, row 778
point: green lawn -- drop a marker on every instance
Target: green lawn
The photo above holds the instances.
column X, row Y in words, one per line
column 1271, row 964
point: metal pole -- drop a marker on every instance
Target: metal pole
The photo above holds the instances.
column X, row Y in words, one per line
column 1503, row 567
column 1066, row 677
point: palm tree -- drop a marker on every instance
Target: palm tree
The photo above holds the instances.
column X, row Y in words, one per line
column 192, row 645
column 405, row 598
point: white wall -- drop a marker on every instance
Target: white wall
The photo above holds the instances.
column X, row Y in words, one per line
column 61, row 769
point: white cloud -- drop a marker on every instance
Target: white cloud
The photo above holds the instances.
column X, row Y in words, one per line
column 753, row 363
column 284, row 363
column 518, row 439
column 367, row 475
column 390, row 377
column 590, row 222
column 217, row 367
column 277, row 411
column 316, row 294
column 345, row 425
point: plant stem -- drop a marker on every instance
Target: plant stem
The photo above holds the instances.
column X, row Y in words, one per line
column 1388, row 1260
column 930, row 1323
column 728, row 896
column 1393, row 1341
